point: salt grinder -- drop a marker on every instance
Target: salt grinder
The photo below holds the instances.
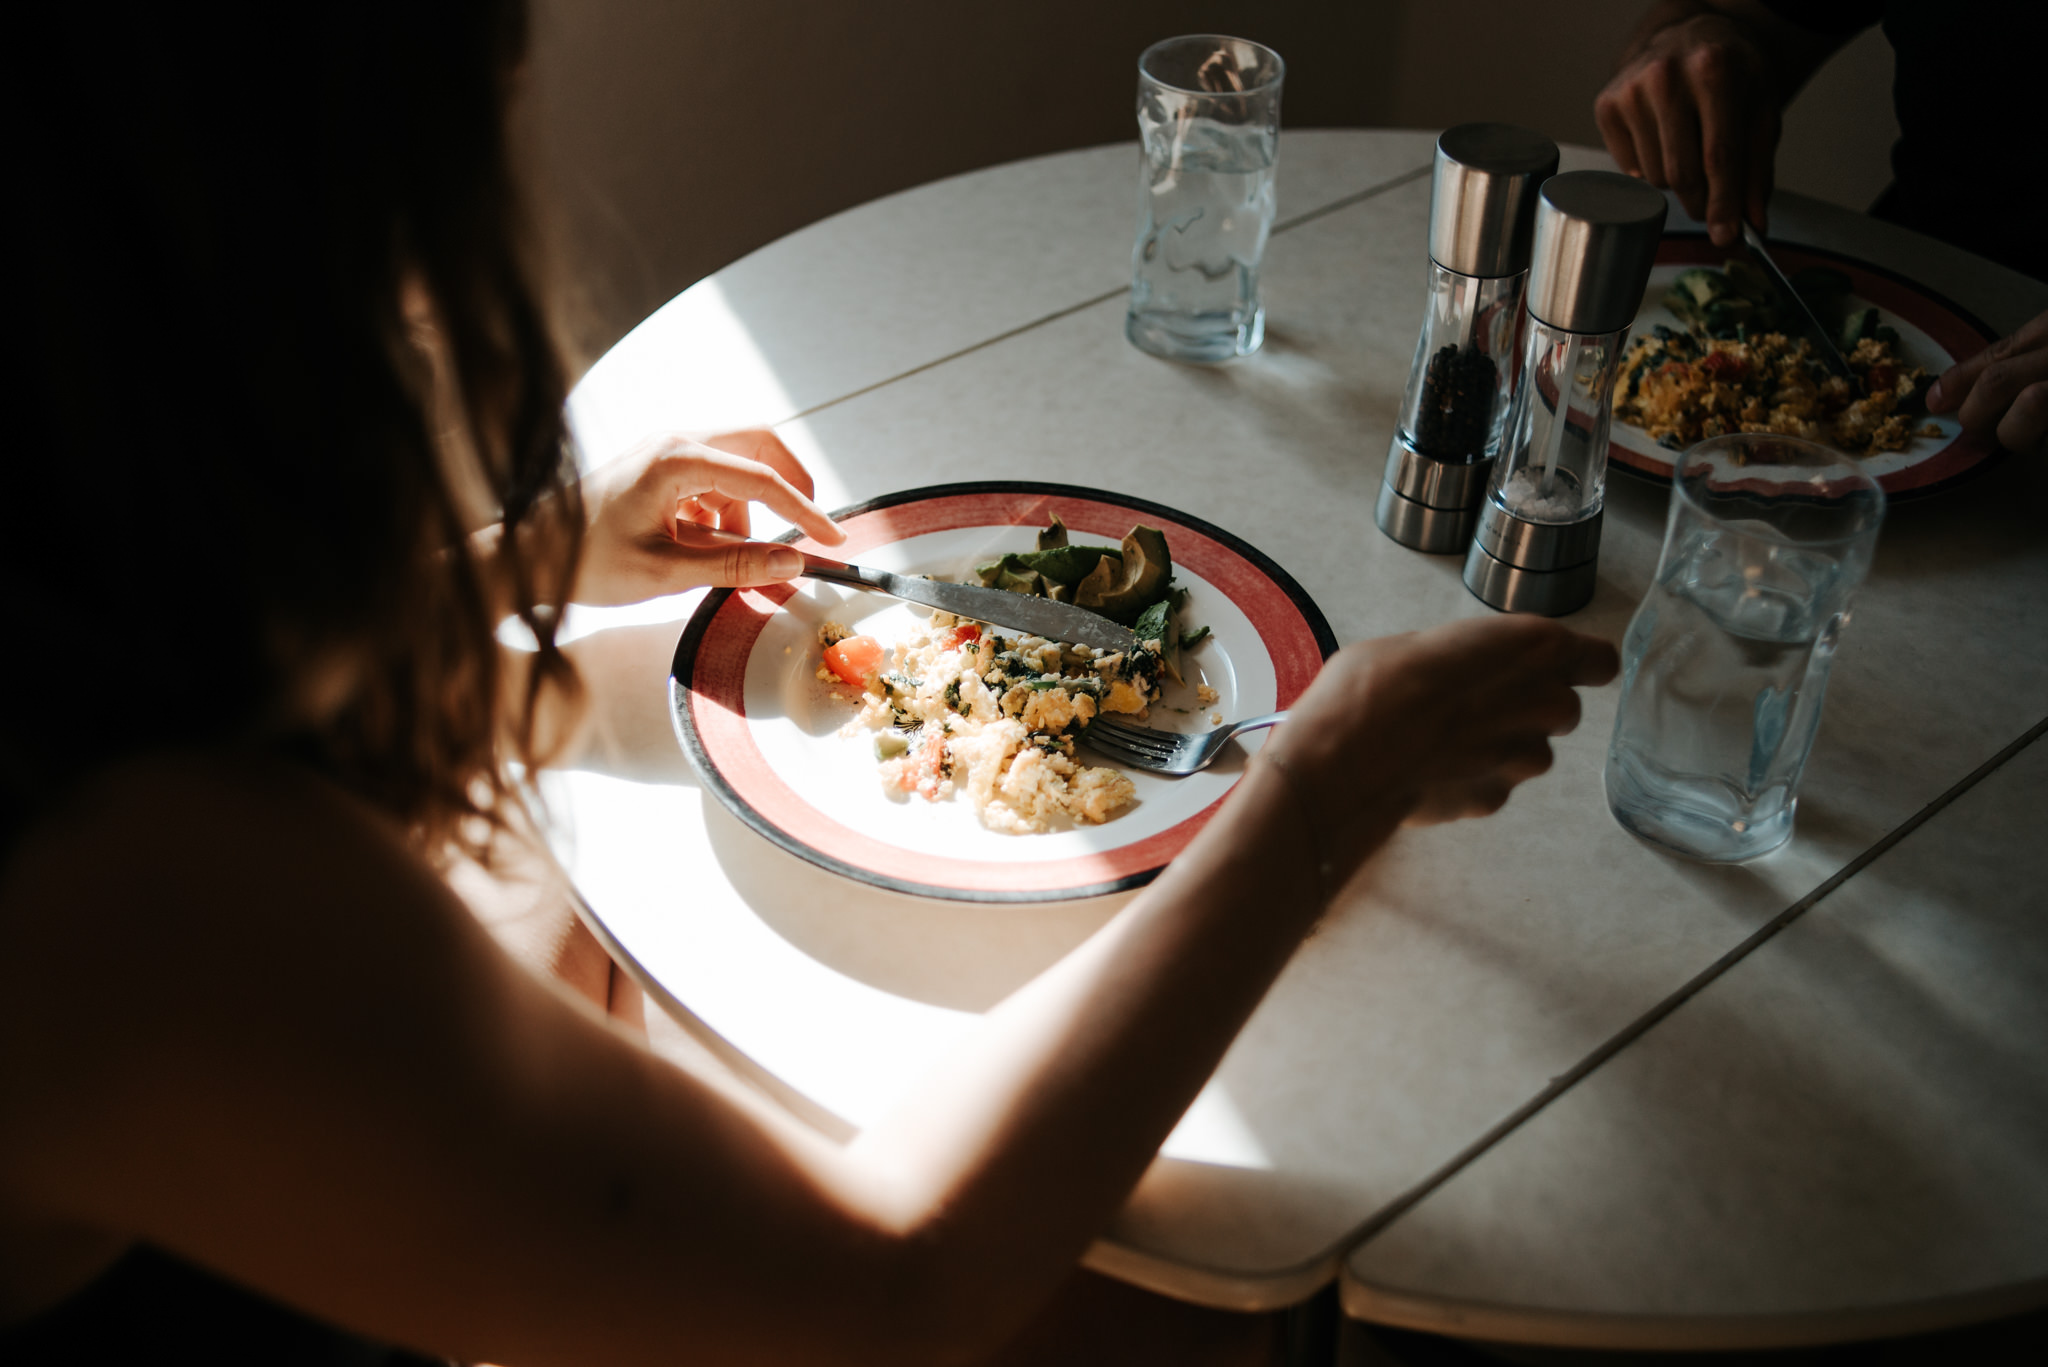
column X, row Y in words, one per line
column 1482, row 207
column 1537, row 545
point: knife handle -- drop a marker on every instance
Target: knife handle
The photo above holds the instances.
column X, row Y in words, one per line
column 837, row 572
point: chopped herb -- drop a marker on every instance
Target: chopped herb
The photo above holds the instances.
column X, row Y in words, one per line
column 1151, row 623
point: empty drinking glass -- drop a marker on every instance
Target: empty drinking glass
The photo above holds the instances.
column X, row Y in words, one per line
column 1726, row 662
column 1209, row 118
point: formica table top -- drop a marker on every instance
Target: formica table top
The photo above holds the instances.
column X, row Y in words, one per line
column 1419, row 1103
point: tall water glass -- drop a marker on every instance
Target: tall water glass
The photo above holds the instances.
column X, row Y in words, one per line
column 1726, row 662
column 1209, row 118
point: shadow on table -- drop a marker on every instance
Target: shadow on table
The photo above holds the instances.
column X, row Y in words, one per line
column 1850, row 1116
column 966, row 956
column 2001, row 505
column 632, row 735
column 2022, row 1339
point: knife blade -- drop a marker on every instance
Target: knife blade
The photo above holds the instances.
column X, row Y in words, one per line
column 1790, row 303
column 999, row 607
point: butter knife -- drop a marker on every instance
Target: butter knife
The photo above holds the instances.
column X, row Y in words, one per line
column 1018, row 611
column 1789, row 300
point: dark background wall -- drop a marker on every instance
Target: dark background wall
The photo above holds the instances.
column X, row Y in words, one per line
column 670, row 137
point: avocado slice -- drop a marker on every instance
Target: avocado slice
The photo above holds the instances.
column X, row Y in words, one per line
column 1693, row 290
column 1026, row 582
column 1054, row 535
column 1750, row 282
column 1012, row 573
column 1098, row 581
column 1068, row 564
column 1059, row 565
column 1123, row 591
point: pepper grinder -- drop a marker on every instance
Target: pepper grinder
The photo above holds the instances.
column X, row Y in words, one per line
column 1537, row 546
column 1481, row 211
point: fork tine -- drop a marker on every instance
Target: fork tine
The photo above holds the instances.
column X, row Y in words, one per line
column 1110, row 743
column 1129, row 730
column 1136, row 737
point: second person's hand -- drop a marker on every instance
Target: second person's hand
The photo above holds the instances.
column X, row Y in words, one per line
column 1695, row 106
column 1691, row 110
column 2002, row 391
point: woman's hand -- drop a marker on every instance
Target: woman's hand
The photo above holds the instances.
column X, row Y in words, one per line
column 673, row 514
column 2002, row 391
column 1434, row 725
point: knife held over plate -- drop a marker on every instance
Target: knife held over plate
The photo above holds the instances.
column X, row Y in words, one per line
column 1795, row 307
column 999, row 607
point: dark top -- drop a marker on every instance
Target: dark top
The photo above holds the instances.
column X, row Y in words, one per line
column 1971, row 163
column 153, row 1308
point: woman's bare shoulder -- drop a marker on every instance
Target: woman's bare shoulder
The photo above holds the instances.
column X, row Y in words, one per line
column 181, row 899
column 166, row 847
column 187, row 792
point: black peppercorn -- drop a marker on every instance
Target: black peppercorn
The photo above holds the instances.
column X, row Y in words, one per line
column 1455, row 417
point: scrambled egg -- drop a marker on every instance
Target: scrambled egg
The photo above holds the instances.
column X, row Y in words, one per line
column 1682, row 389
column 960, row 707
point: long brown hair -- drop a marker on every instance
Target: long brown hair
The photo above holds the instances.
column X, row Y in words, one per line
column 227, row 519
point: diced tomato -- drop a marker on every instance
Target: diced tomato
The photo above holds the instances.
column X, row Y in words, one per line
column 926, row 768
column 965, row 632
column 1881, row 379
column 1724, row 366
column 854, row 659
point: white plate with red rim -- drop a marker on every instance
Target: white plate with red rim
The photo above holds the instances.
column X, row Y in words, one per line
column 1933, row 334
column 773, row 741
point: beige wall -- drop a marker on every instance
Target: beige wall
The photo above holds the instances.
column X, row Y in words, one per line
column 673, row 136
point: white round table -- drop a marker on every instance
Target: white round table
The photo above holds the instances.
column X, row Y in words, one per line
column 1531, row 1079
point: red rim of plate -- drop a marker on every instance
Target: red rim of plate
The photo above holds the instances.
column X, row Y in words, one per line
column 708, row 680
column 1953, row 328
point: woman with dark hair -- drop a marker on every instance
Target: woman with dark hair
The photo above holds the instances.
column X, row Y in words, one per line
column 268, row 1091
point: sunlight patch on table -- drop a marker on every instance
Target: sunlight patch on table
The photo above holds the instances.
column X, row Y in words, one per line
column 641, row 856
column 692, row 366
column 1214, row 1131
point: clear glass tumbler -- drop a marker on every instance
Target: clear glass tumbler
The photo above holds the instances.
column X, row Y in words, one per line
column 1209, row 120
column 1726, row 662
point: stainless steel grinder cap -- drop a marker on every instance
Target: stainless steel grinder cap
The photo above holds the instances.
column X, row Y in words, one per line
column 1596, row 239
column 1482, row 200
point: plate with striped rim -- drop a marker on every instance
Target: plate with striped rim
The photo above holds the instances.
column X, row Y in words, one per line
column 773, row 742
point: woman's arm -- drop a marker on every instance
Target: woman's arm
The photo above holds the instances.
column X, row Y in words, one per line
column 311, row 1070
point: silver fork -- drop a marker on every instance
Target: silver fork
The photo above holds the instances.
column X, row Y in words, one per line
column 1166, row 752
